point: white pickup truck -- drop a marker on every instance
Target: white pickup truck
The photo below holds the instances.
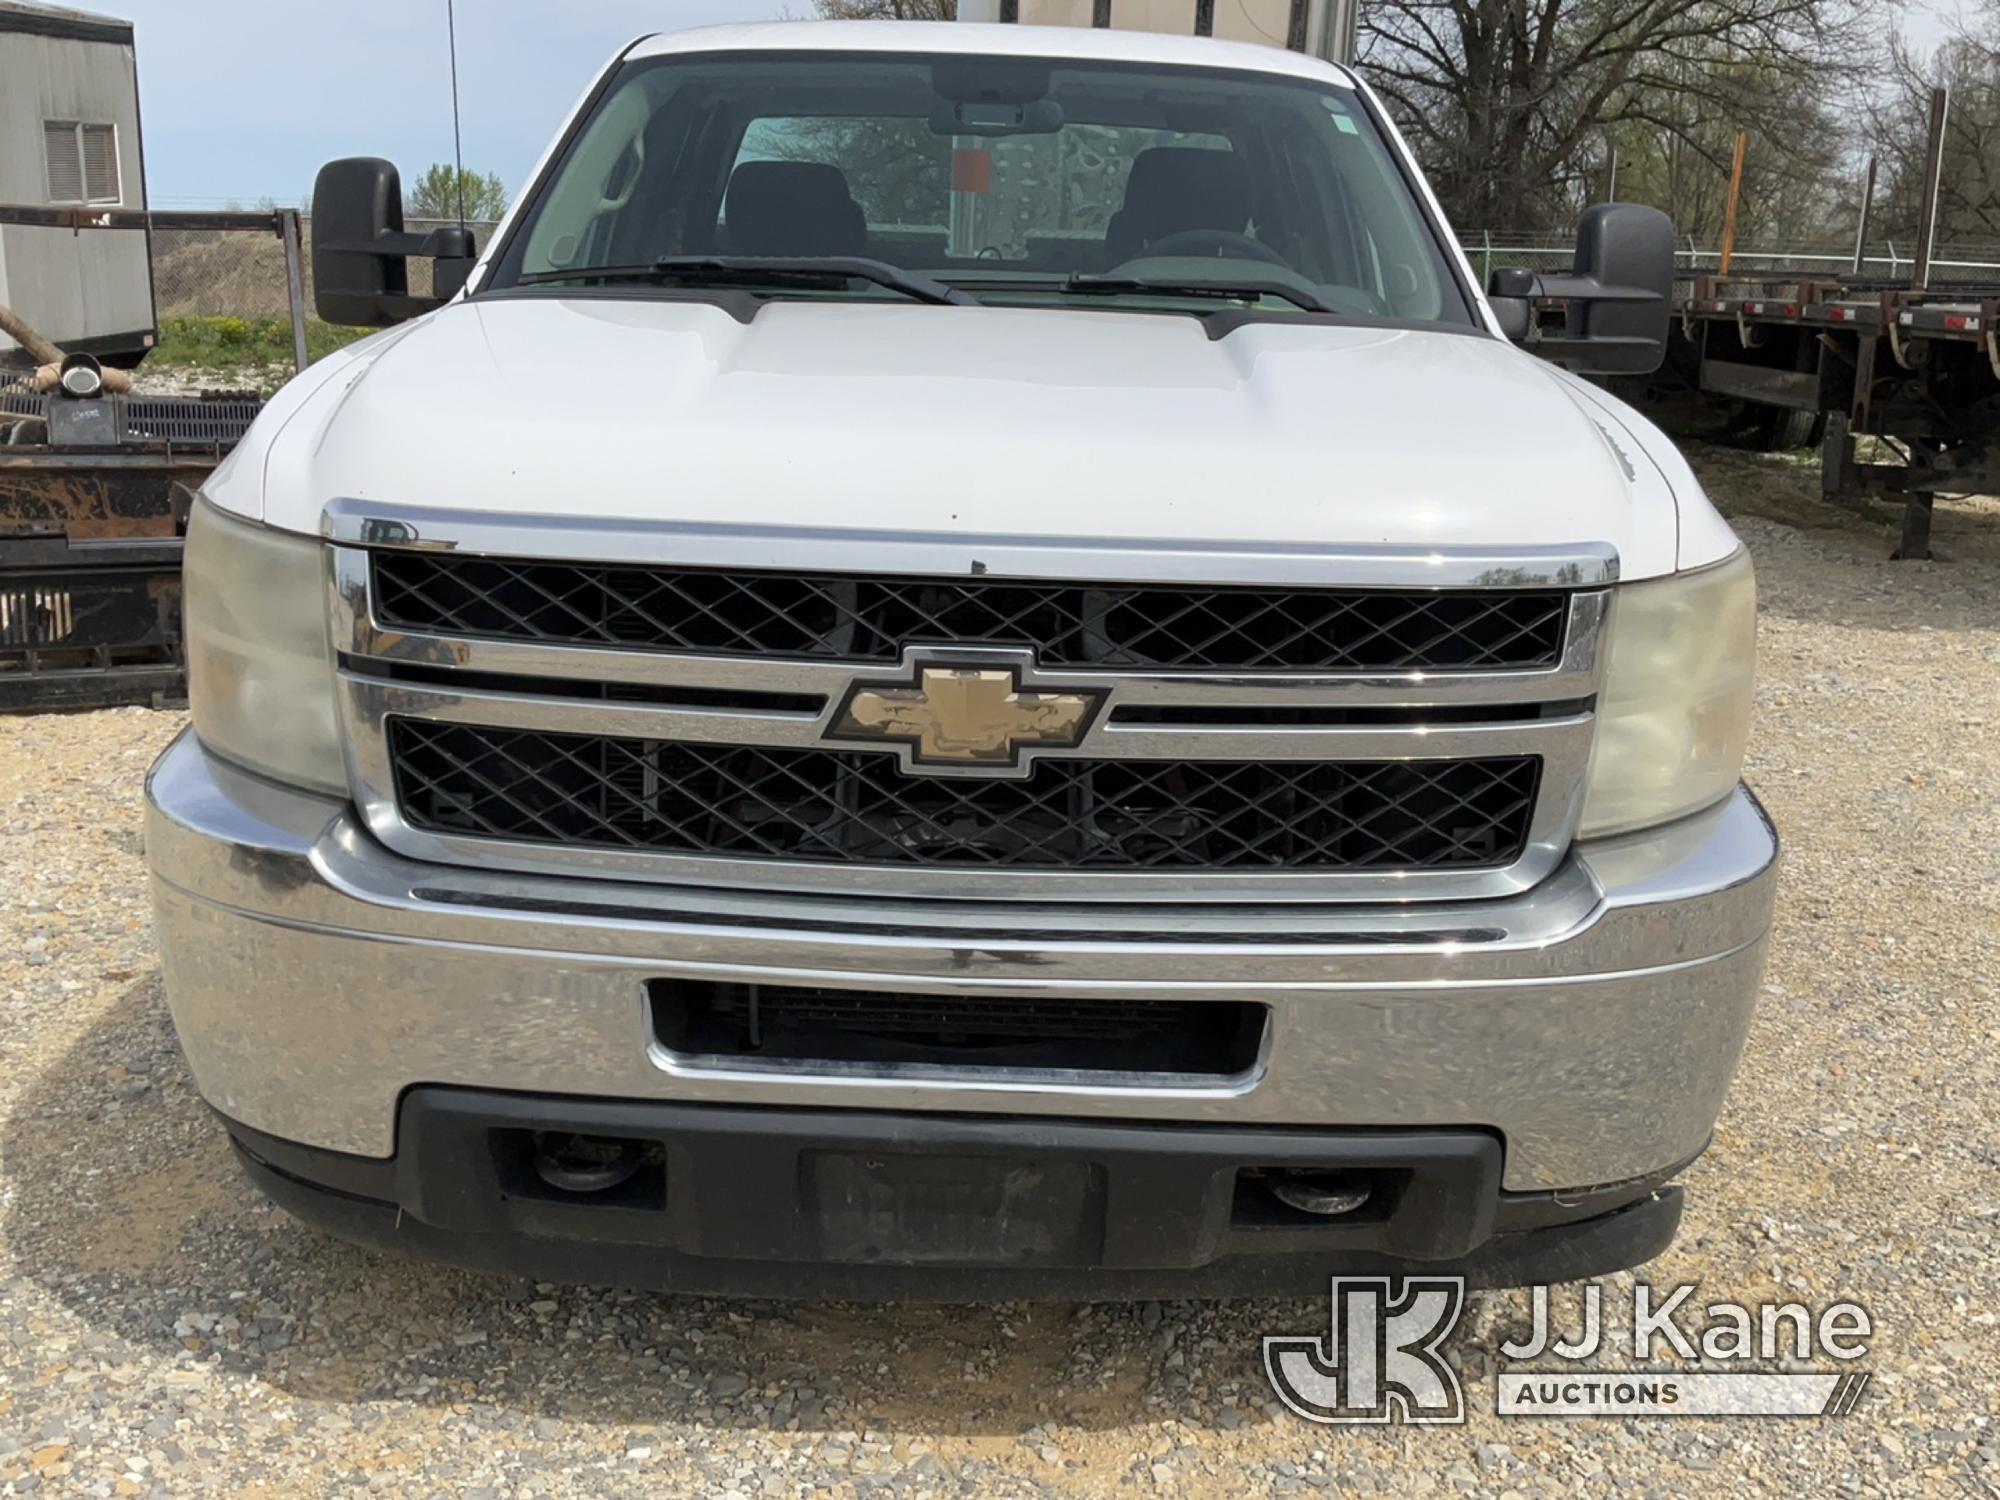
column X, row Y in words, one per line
column 966, row 663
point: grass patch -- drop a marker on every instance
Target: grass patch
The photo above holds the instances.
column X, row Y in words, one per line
column 1782, row 487
column 248, row 344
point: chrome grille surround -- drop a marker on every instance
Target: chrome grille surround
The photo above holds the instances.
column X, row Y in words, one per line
column 1488, row 714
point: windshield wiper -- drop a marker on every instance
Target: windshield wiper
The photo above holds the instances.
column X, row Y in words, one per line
column 766, row 270
column 1226, row 290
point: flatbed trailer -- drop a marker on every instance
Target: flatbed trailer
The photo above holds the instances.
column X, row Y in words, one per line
column 1912, row 363
column 94, row 501
column 95, row 493
column 1919, row 368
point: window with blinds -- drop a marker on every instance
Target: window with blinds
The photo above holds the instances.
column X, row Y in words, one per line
column 82, row 161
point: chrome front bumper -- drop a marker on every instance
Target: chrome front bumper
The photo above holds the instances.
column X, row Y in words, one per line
column 1595, row 1021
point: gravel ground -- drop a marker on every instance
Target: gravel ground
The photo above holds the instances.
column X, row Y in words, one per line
column 162, row 1331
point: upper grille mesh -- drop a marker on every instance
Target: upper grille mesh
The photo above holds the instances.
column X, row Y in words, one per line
column 870, row 618
column 859, row 807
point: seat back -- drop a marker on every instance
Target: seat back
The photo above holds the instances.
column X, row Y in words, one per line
column 1173, row 188
column 792, row 208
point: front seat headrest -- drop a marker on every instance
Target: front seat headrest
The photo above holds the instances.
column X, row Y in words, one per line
column 1173, row 188
column 792, row 208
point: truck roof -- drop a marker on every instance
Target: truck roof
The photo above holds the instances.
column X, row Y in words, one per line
column 1097, row 44
column 60, row 20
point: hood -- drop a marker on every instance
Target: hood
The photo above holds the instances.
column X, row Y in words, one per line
column 990, row 421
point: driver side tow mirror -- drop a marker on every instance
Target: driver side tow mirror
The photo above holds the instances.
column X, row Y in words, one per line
column 1619, row 297
column 360, row 252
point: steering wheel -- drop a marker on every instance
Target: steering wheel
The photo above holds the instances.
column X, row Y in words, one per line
column 1221, row 242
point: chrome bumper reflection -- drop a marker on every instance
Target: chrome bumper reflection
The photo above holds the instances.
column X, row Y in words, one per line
column 314, row 975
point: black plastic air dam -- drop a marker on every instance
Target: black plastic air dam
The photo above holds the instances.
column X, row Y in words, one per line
column 874, row 1206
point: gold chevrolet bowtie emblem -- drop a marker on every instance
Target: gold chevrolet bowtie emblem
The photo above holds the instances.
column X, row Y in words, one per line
column 965, row 716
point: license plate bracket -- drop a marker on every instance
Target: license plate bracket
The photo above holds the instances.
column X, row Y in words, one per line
column 908, row 1209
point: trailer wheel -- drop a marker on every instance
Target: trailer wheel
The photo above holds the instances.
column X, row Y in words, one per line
column 1779, row 429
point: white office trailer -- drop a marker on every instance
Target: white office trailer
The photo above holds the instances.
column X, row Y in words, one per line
column 1324, row 28
column 69, row 140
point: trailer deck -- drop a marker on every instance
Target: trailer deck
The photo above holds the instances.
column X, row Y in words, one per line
column 1917, row 367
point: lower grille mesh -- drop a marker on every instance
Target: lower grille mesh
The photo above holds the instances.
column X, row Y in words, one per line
column 858, row 807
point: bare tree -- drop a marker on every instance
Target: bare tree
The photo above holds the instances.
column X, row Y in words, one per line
column 1514, row 105
column 887, row 10
column 898, row 170
column 1675, row 151
column 1509, row 102
column 1968, row 63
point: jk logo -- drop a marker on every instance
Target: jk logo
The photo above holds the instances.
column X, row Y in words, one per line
column 1381, row 1361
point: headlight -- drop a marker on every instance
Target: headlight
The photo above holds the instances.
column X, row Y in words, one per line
column 1674, row 713
column 260, row 671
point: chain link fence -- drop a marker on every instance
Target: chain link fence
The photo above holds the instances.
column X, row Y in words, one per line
column 227, row 290
column 240, row 273
column 222, row 302
column 223, row 295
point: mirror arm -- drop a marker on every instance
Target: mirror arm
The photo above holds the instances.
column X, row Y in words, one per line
column 431, row 246
column 1555, row 345
column 1590, row 289
column 398, row 306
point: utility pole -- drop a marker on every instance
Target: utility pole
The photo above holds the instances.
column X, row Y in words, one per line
column 1920, row 277
column 1867, row 205
column 1735, row 194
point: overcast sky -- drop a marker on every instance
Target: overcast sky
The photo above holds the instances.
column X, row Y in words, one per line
column 243, row 99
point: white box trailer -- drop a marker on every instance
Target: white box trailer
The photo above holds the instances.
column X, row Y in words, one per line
column 1321, row 28
column 1324, row 28
column 69, row 139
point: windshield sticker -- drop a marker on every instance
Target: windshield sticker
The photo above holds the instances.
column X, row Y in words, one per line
column 1342, row 120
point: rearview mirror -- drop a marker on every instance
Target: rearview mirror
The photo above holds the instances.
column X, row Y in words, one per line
column 1034, row 117
column 361, row 253
column 1618, row 299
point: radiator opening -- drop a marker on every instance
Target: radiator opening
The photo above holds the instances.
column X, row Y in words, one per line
column 788, row 1024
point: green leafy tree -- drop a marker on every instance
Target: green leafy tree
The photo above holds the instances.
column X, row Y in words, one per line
column 436, row 194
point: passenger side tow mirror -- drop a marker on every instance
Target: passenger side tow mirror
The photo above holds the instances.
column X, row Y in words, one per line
column 1619, row 297
column 361, row 253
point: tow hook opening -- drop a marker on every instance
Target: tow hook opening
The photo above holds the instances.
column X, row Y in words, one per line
column 1278, row 1197
column 567, row 1166
column 586, row 1163
column 1325, row 1194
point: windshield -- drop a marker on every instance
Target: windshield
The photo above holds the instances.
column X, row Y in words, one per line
column 1023, row 179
